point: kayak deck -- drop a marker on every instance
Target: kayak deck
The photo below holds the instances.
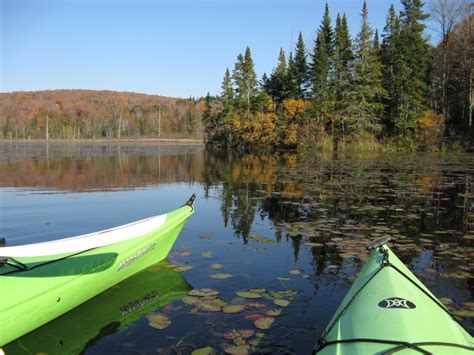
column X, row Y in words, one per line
column 389, row 310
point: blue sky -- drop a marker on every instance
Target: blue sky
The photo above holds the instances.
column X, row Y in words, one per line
column 171, row 48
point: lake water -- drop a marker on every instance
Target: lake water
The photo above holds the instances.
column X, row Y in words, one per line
column 294, row 225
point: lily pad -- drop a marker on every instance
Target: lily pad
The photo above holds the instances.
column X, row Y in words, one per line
column 158, row 321
column 204, row 351
column 239, row 334
column 254, row 305
column 248, row 294
column 221, row 276
column 283, row 278
column 274, row 312
column 207, row 306
column 296, row 271
column 464, row 313
column 203, row 292
column 191, row 300
column 236, row 349
column 234, row 308
column 310, row 244
column 257, row 290
column 216, row 266
column 207, row 254
column 254, row 316
column 185, row 253
column 446, row 300
column 264, row 323
column 183, row 268
column 282, row 303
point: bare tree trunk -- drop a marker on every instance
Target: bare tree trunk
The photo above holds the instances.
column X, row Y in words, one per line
column 120, row 124
column 47, row 126
column 159, row 121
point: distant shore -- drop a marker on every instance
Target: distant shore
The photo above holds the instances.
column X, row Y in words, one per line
column 193, row 141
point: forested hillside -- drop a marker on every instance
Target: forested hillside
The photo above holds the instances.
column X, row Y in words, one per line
column 359, row 89
column 72, row 114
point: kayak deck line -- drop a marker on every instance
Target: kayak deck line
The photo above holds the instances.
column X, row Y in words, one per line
column 378, row 245
column 402, row 345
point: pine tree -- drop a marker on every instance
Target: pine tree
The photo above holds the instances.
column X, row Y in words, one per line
column 264, row 82
column 223, row 128
column 368, row 88
column 415, row 60
column 301, row 67
column 245, row 81
column 227, row 93
column 206, row 115
column 391, row 59
column 320, row 69
column 292, row 86
column 278, row 79
column 376, row 43
column 238, row 76
column 250, row 82
column 322, row 60
column 343, row 58
column 327, row 31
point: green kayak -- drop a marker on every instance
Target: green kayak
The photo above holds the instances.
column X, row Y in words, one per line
column 388, row 310
column 114, row 310
column 40, row 282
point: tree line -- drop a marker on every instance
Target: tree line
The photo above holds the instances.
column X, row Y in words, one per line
column 395, row 88
column 75, row 114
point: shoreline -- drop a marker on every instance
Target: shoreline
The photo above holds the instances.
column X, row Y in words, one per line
column 191, row 141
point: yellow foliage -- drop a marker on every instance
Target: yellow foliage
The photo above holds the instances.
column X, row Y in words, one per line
column 429, row 129
column 258, row 130
column 292, row 108
column 290, row 134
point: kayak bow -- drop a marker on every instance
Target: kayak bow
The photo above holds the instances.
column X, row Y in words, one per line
column 388, row 310
column 39, row 282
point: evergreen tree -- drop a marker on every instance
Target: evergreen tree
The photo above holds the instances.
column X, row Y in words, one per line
column 223, row 127
column 376, row 43
column 391, row 59
column 238, row 76
column 227, row 93
column 415, row 61
column 320, row 69
column 251, row 83
column 245, row 81
column 327, row 31
column 278, row 79
column 343, row 58
column 368, row 88
column 206, row 115
column 301, row 68
column 264, row 82
column 293, row 88
column 322, row 60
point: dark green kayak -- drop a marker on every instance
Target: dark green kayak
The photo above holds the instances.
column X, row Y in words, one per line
column 388, row 310
column 112, row 311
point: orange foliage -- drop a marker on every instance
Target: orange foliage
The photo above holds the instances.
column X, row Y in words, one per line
column 293, row 108
column 429, row 129
column 259, row 130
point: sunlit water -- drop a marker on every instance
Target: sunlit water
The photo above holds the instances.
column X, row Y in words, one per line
column 283, row 222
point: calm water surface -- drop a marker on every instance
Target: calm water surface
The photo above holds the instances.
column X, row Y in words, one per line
column 293, row 225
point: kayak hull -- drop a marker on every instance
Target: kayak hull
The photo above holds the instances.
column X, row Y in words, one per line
column 387, row 308
column 114, row 310
column 34, row 297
